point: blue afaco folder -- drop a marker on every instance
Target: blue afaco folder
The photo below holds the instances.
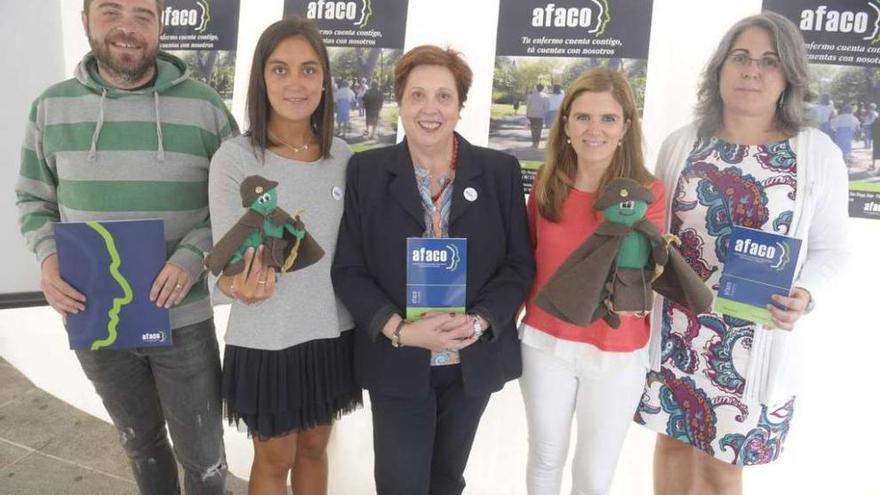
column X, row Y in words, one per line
column 114, row 263
column 436, row 275
column 758, row 265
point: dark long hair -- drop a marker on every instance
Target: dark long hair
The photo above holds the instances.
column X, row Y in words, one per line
column 257, row 98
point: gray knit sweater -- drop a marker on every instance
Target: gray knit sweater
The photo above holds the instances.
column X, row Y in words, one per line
column 94, row 152
column 304, row 306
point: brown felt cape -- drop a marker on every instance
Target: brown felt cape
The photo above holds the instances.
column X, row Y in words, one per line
column 276, row 251
column 576, row 292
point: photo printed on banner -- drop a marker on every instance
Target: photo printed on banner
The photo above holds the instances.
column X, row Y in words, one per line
column 364, row 40
column 843, row 43
column 204, row 33
column 542, row 47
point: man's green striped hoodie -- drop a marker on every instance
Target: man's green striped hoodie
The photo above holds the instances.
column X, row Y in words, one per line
column 95, row 152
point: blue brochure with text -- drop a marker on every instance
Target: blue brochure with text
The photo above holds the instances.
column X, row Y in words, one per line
column 436, row 275
column 758, row 265
column 114, row 264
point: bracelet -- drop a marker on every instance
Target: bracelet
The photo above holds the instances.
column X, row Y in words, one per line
column 395, row 337
column 478, row 327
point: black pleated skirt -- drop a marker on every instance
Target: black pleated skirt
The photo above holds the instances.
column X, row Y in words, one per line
column 280, row 392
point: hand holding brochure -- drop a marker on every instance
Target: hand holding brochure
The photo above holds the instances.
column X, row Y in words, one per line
column 114, row 264
column 758, row 265
column 436, row 275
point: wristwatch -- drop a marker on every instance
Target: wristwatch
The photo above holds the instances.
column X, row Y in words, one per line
column 395, row 337
column 478, row 328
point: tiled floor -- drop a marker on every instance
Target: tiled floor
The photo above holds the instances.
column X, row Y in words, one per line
column 48, row 447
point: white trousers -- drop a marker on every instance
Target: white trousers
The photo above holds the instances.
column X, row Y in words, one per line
column 602, row 397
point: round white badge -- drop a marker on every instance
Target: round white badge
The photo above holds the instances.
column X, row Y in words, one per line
column 336, row 192
column 470, row 194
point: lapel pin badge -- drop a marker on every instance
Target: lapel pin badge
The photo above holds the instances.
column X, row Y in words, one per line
column 470, row 194
column 336, row 192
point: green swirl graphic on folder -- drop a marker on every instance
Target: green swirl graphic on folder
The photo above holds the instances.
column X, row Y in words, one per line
column 118, row 302
column 114, row 264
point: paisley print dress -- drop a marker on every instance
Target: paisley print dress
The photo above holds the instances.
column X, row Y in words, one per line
column 697, row 397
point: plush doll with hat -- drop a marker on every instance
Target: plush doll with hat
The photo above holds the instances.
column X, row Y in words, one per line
column 286, row 244
column 617, row 268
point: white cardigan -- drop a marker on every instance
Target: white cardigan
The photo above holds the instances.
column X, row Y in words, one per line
column 820, row 220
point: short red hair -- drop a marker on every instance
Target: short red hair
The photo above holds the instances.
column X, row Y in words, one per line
column 434, row 55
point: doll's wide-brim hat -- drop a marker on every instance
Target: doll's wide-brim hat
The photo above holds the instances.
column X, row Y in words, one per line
column 623, row 189
column 252, row 187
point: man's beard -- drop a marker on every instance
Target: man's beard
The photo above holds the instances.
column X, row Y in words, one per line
column 125, row 67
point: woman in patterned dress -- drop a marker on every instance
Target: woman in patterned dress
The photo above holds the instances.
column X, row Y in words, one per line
column 720, row 394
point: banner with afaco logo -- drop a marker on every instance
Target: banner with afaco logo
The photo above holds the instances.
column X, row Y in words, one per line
column 204, row 33
column 843, row 43
column 365, row 39
column 542, row 47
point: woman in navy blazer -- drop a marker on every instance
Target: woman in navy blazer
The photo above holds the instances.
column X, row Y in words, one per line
column 430, row 379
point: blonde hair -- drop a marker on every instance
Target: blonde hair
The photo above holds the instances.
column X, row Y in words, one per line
column 556, row 176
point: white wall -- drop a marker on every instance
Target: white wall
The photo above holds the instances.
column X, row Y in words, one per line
column 684, row 34
column 831, row 446
column 23, row 37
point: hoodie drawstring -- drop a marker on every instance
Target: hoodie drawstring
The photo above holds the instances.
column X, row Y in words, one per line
column 160, row 153
column 93, row 152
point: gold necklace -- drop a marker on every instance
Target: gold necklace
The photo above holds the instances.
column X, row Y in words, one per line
column 295, row 149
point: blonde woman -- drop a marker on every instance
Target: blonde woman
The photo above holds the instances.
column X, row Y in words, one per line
column 594, row 373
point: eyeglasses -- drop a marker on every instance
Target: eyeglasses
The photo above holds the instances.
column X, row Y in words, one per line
column 764, row 64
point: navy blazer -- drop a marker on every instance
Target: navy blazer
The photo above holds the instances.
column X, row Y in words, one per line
column 382, row 209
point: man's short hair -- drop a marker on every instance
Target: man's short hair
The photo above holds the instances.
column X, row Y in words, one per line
column 88, row 3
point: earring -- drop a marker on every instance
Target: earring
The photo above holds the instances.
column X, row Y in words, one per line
column 568, row 140
column 620, row 143
column 781, row 102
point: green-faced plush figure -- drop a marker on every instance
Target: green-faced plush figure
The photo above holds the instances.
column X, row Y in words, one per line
column 617, row 268
column 286, row 244
column 635, row 249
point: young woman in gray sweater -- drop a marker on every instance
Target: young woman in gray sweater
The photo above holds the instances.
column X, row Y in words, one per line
column 288, row 359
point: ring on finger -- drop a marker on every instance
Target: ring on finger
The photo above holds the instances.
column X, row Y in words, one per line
column 261, row 282
column 178, row 286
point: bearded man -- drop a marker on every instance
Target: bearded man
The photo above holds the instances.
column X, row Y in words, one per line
column 129, row 137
